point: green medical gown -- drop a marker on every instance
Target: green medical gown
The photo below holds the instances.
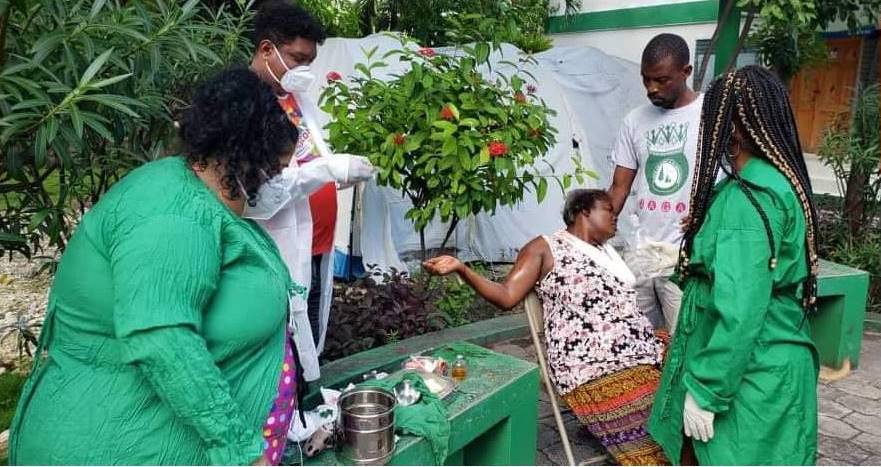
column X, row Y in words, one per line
column 743, row 347
column 164, row 336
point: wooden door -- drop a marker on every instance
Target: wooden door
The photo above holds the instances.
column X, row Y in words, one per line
column 821, row 95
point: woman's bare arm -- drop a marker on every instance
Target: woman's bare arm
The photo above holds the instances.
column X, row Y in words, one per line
column 533, row 262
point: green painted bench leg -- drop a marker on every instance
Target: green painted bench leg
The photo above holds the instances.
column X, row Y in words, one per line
column 513, row 440
column 857, row 293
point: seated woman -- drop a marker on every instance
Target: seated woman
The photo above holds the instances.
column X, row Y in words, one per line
column 165, row 339
column 604, row 357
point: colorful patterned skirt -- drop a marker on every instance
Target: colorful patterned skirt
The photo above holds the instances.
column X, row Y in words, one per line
column 616, row 409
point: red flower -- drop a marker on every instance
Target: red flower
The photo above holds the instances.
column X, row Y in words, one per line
column 519, row 97
column 399, row 139
column 427, row 52
column 530, row 88
column 497, row 148
column 446, row 113
column 334, row 76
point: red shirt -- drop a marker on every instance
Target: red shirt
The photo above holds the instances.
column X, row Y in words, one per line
column 322, row 203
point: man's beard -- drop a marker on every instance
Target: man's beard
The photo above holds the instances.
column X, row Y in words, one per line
column 664, row 103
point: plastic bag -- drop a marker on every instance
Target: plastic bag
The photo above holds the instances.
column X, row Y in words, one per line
column 324, row 414
column 648, row 258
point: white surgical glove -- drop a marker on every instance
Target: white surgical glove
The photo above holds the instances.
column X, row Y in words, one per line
column 348, row 170
column 697, row 422
column 360, row 169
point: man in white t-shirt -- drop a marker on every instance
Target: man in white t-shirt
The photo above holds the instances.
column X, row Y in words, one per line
column 654, row 156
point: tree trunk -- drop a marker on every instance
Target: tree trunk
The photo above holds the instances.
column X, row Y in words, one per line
column 855, row 200
column 422, row 244
column 453, row 224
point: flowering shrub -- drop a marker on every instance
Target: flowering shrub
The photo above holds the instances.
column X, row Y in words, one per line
column 452, row 142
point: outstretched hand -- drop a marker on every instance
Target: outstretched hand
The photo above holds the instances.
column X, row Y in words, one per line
column 443, row 265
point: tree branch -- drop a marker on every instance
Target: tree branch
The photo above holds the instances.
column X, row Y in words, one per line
column 705, row 61
column 748, row 23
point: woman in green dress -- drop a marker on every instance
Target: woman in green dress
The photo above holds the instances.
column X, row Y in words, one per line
column 165, row 339
column 739, row 384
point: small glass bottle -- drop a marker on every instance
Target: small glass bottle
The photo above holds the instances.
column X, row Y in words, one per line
column 460, row 369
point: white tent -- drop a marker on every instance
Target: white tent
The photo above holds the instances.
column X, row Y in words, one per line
column 591, row 93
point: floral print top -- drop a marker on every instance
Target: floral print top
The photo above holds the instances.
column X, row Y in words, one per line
column 593, row 327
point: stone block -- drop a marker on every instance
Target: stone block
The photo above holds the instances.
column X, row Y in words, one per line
column 833, row 427
column 869, row 442
column 858, row 388
column 865, row 423
column 840, row 450
column 860, row 404
column 833, row 409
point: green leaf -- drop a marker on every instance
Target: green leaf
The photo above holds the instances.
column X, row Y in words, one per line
column 484, row 156
column 109, row 81
column 7, row 237
column 448, row 127
column 363, row 69
column 95, row 67
column 51, row 129
column 542, row 189
column 449, row 146
column 29, row 104
column 47, row 44
column 99, row 128
column 37, row 219
column 454, row 110
column 76, row 119
column 119, row 103
column 40, row 147
column 481, row 52
column 96, row 8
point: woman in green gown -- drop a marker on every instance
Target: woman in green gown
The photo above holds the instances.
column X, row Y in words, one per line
column 739, row 384
column 165, row 335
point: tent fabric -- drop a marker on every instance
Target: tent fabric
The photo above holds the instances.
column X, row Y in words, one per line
column 591, row 93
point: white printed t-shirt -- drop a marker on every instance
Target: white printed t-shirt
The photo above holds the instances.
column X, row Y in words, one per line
column 661, row 145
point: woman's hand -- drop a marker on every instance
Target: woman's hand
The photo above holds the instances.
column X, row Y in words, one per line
column 262, row 460
column 443, row 265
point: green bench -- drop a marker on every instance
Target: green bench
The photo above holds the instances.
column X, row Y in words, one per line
column 837, row 328
column 493, row 413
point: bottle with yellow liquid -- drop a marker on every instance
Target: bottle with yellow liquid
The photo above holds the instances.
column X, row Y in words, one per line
column 460, row 369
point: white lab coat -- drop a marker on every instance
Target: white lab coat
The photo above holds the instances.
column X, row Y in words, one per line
column 291, row 228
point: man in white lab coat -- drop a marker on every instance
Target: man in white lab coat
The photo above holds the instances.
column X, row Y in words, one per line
column 298, row 208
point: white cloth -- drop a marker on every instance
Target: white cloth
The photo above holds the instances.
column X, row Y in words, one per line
column 291, row 228
column 659, row 299
column 661, row 145
column 604, row 256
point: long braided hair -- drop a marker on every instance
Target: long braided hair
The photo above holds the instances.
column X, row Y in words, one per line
column 754, row 100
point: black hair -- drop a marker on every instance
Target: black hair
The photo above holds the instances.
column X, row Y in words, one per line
column 581, row 200
column 666, row 45
column 235, row 119
column 282, row 22
column 753, row 99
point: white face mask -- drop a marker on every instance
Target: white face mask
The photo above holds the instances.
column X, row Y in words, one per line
column 272, row 195
column 297, row 79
